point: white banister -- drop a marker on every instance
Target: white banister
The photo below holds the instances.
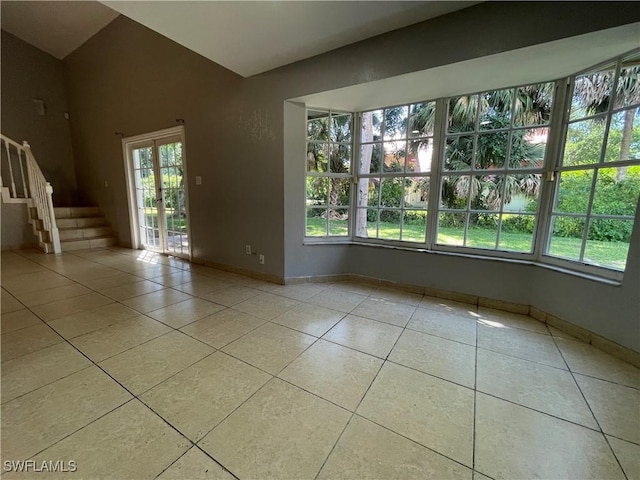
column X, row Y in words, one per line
column 36, row 191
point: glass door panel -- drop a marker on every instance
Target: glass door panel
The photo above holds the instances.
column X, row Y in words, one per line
column 175, row 213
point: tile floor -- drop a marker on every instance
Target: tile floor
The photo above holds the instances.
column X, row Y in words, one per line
column 134, row 365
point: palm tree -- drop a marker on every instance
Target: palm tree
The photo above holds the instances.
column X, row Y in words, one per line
column 592, row 95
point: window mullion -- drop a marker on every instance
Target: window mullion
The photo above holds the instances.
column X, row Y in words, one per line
column 437, row 160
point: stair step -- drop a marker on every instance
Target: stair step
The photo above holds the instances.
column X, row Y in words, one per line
column 86, row 243
column 83, row 233
column 76, row 212
column 82, row 222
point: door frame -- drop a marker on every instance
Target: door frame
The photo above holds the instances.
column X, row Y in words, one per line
column 128, row 143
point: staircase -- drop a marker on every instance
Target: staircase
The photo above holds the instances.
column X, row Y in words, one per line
column 83, row 227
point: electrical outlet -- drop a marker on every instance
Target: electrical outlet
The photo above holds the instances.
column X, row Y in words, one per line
column 261, row 259
column 247, row 249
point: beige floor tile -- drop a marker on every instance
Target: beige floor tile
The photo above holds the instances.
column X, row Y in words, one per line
column 40, row 418
column 34, row 370
column 479, row 476
column 547, row 389
column 176, row 278
column 628, row 455
column 499, row 318
column 616, row 407
column 222, row 327
column 148, row 364
column 270, row 347
column 40, row 297
column 8, row 303
column 296, row 292
column 588, row 360
column 114, row 339
column 398, row 296
column 27, row 340
column 433, row 412
column 230, row 296
column 368, row 336
column 466, row 310
column 201, row 287
column 186, row 312
column 90, row 320
column 266, row 305
column 360, row 288
column 153, row 301
column 453, row 361
column 344, row 375
column 281, row 432
column 112, row 281
column 367, row 450
column 444, row 324
column 70, row 306
column 341, row 300
column 310, row 319
column 118, row 445
column 17, row 320
column 516, row 442
column 385, row 311
column 36, row 281
column 130, row 290
column 202, row 395
column 520, row 343
column 195, row 465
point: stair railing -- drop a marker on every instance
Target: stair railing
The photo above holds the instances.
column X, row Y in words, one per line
column 29, row 187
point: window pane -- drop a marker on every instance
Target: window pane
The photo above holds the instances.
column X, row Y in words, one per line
column 339, row 221
column 371, row 126
column 566, row 237
column 495, row 109
column 451, row 229
column 340, row 189
column 317, row 190
column 371, row 158
column 608, row 242
column 491, row 150
column 395, row 122
column 317, row 154
column 371, row 217
column 623, row 142
column 414, row 226
column 368, row 192
column 528, row 148
column 627, row 92
column 416, row 192
column 317, row 125
column 521, row 193
column 340, row 158
column 389, row 225
column 394, row 156
column 462, row 113
column 483, row 230
column 516, row 233
column 591, row 93
column 616, row 191
column 422, row 118
column 533, row 104
column 486, row 192
column 584, row 142
column 391, row 192
column 455, row 192
column 459, row 153
column 316, row 222
column 340, row 127
column 420, row 155
column 574, row 192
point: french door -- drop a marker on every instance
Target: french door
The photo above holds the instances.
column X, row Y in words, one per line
column 158, row 196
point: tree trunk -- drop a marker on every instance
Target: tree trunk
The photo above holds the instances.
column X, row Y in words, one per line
column 625, row 142
column 363, row 183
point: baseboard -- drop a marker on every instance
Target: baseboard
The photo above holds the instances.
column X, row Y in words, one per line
column 267, row 277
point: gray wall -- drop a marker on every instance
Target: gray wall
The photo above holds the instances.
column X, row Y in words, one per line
column 244, row 139
column 29, row 73
column 16, row 229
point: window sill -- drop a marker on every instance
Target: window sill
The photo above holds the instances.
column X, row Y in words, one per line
column 547, row 266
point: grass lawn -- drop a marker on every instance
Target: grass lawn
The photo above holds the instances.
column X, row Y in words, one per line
column 611, row 254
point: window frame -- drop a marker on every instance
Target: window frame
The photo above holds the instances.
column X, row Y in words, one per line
column 550, row 170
